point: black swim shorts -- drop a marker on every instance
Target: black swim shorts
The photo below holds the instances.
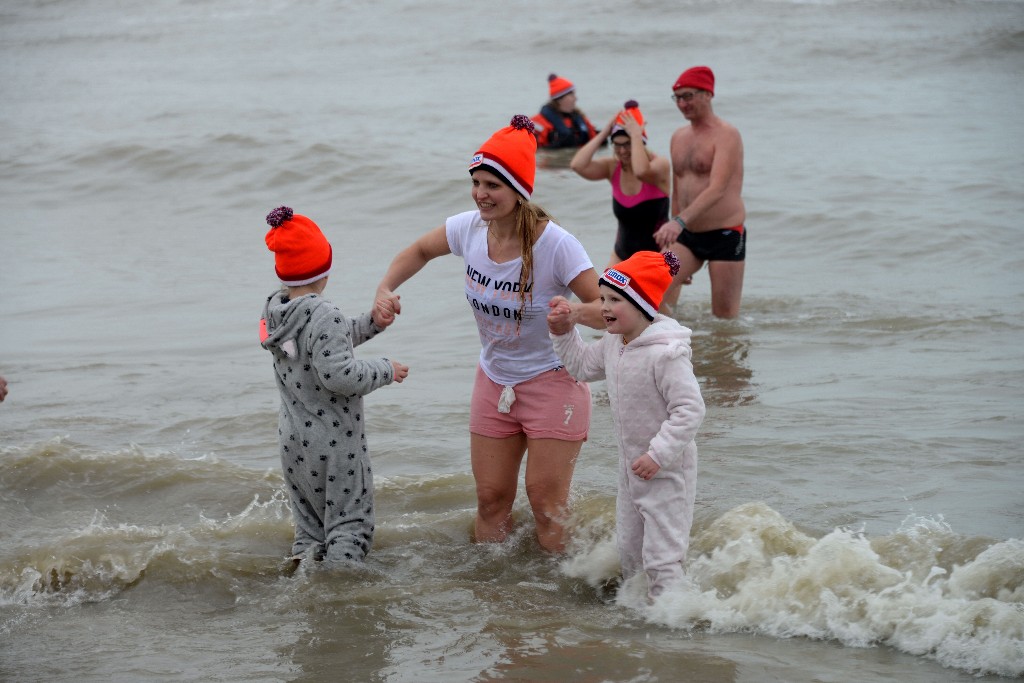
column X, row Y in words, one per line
column 727, row 244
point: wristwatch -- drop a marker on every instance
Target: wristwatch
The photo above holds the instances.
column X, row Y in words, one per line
column 681, row 222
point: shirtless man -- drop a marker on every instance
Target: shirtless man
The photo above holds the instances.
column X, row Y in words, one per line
column 707, row 210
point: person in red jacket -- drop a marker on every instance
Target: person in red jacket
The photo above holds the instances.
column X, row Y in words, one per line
column 560, row 123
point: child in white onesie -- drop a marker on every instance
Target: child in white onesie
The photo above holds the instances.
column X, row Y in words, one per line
column 656, row 409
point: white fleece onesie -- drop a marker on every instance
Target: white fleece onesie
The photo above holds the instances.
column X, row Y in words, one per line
column 656, row 408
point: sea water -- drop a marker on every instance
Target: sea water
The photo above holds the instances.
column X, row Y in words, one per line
column 859, row 512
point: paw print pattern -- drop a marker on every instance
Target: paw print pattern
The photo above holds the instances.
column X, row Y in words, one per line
column 326, row 436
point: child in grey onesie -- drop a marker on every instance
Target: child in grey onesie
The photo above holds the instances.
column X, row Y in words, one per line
column 320, row 424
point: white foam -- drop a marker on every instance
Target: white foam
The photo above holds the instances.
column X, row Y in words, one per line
column 752, row 571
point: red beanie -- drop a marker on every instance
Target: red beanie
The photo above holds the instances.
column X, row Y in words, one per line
column 302, row 254
column 558, row 86
column 699, row 77
column 643, row 279
column 511, row 154
column 633, row 109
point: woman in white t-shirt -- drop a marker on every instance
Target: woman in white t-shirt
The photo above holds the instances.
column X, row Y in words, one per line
column 524, row 402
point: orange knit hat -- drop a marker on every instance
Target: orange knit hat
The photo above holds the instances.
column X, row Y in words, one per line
column 699, row 77
column 631, row 107
column 558, row 86
column 302, row 254
column 643, row 279
column 511, row 154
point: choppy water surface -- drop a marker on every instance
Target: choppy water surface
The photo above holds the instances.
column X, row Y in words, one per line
column 859, row 514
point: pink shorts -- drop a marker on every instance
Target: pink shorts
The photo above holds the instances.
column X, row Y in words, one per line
column 552, row 405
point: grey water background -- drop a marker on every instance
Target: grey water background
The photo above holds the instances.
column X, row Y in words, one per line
column 859, row 512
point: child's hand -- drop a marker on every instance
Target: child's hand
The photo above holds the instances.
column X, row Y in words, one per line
column 401, row 371
column 645, row 467
column 560, row 316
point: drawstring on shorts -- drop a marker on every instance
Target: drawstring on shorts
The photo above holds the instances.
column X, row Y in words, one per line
column 507, row 398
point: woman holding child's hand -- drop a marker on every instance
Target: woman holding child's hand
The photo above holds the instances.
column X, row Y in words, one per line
column 524, row 402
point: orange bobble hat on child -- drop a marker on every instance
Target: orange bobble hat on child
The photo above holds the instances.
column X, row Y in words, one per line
column 633, row 109
column 558, row 86
column 510, row 154
column 302, row 255
column 643, row 279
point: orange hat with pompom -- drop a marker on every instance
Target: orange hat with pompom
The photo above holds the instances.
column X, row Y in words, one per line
column 633, row 109
column 511, row 154
column 643, row 279
column 302, row 255
column 558, row 86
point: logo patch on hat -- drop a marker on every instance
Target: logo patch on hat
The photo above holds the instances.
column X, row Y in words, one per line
column 621, row 279
column 476, row 160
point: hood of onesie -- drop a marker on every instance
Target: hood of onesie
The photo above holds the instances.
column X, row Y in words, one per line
column 668, row 332
column 285, row 319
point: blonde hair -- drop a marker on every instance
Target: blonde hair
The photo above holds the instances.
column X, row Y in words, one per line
column 527, row 216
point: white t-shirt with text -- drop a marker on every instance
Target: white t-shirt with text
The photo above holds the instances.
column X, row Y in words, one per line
column 492, row 290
